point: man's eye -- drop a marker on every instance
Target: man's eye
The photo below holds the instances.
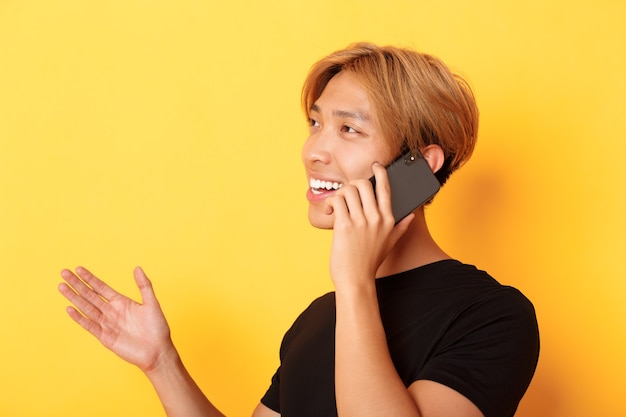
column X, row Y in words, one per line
column 349, row 129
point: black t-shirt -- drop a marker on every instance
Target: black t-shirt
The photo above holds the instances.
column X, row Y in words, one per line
column 446, row 322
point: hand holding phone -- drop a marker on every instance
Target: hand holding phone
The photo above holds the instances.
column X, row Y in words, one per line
column 412, row 183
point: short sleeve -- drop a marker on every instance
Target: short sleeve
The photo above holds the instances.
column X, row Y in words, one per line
column 271, row 399
column 489, row 352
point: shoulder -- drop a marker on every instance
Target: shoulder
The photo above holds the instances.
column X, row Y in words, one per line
column 481, row 305
column 489, row 345
column 491, row 300
column 449, row 285
column 317, row 318
column 469, row 284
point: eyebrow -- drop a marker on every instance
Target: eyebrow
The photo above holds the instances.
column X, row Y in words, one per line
column 345, row 114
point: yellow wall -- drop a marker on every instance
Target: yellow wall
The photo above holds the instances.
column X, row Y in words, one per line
column 167, row 134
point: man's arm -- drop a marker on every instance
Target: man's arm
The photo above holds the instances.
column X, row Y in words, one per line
column 178, row 392
column 367, row 382
column 137, row 333
column 262, row 411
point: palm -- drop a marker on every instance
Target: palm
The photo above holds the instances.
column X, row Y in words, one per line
column 138, row 333
column 133, row 330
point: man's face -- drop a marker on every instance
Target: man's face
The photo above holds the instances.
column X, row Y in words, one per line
column 343, row 143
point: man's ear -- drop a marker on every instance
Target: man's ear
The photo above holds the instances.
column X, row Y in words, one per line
column 433, row 154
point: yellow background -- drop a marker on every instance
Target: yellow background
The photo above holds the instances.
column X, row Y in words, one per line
column 167, row 134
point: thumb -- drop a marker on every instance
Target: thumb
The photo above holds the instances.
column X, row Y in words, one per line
column 400, row 229
column 145, row 286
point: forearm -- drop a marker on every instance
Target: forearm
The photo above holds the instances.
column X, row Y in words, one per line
column 366, row 381
column 177, row 391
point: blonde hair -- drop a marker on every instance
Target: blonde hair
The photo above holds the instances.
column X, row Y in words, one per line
column 417, row 100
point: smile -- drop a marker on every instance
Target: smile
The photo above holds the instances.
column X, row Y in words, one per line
column 319, row 186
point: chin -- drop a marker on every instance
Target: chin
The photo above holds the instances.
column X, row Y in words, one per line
column 321, row 220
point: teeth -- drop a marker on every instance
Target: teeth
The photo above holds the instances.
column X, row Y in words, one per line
column 318, row 185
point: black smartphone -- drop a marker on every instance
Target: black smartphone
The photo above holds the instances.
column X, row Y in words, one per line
column 412, row 183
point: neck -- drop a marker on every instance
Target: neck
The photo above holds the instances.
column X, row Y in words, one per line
column 414, row 249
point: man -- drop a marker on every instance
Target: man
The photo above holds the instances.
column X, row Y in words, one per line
column 408, row 331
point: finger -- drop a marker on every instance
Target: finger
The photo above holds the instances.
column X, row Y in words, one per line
column 336, row 204
column 85, row 313
column 145, row 286
column 404, row 224
column 400, row 229
column 383, row 189
column 353, row 203
column 367, row 199
column 80, row 292
column 99, row 286
column 87, row 324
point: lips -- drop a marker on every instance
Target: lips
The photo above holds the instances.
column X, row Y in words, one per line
column 319, row 187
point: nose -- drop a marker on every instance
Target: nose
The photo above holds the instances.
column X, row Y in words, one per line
column 316, row 148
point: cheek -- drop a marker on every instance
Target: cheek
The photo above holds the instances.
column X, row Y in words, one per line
column 360, row 166
column 363, row 173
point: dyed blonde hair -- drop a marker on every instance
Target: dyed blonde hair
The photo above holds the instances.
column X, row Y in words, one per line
column 417, row 100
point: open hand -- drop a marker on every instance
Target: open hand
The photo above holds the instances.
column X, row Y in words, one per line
column 138, row 333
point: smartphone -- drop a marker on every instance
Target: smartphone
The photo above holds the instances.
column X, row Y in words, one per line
column 412, row 183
